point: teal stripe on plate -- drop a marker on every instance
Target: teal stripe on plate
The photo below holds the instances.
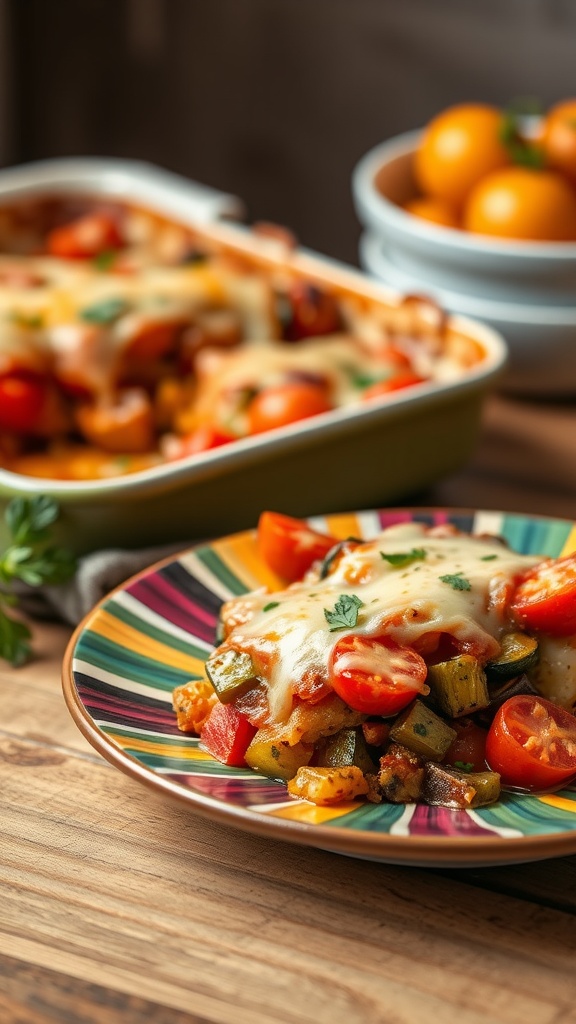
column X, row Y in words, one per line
column 220, row 570
column 535, row 536
column 370, row 817
column 529, row 815
column 101, row 653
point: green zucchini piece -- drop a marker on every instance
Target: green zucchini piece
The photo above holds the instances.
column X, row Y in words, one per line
column 419, row 729
column 346, row 748
column 459, row 686
column 447, row 787
column 231, row 673
column 518, row 653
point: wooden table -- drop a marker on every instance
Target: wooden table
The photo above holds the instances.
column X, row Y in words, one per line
column 116, row 905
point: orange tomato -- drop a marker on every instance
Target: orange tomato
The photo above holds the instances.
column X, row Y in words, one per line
column 520, row 202
column 459, row 147
column 559, row 138
column 286, row 403
column 435, row 210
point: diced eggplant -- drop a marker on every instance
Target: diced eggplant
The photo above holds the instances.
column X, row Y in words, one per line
column 346, row 748
column 419, row 729
column 518, row 654
column 459, row 686
column 447, row 787
column 231, row 673
column 520, row 686
column 401, row 775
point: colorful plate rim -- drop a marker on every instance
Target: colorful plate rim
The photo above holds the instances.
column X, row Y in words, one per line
column 168, row 612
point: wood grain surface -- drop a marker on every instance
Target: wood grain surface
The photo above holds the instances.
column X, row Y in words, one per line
column 117, row 905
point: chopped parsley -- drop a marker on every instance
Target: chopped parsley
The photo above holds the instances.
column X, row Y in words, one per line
column 403, row 558
column 420, row 729
column 457, row 581
column 463, row 766
column 271, row 604
column 345, row 612
column 488, row 558
column 104, row 312
column 103, row 261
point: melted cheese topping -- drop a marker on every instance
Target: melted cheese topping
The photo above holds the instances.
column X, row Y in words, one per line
column 454, row 584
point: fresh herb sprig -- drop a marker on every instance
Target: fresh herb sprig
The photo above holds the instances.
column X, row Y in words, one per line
column 30, row 558
column 345, row 613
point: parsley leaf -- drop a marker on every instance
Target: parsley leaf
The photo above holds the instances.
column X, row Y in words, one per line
column 457, row 581
column 31, row 559
column 463, row 766
column 404, row 557
column 271, row 604
column 345, row 612
column 488, row 558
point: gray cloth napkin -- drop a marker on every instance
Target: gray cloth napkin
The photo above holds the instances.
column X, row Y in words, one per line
column 96, row 576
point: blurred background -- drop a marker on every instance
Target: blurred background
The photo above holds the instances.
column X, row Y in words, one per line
column 273, row 100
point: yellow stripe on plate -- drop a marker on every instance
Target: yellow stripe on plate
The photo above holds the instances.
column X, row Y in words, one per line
column 240, row 553
column 560, row 802
column 343, row 525
column 143, row 746
column 310, row 814
column 570, row 542
column 118, row 632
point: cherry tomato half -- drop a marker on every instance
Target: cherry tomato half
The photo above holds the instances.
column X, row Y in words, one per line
column 22, row 400
column 287, row 403
column 85, row 237
column 376, row 676
column 546, row 598
column 532, row 743
column 289, row 546
column 202, row 439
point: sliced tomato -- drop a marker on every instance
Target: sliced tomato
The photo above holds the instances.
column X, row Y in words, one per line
column 532, row 743
column 85, row 237
column 376, row 676
column 227, row 734
column 286, row 403
column 546, row 597
column 22, row 401
column 398, row 381
column 469, row 746
column 289, row 546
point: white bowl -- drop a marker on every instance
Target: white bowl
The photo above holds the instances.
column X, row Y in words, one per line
column 541, row 339
column 537, row 273
column 525, row 290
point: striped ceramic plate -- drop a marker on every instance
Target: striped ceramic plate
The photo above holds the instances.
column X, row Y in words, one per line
column 156, row 631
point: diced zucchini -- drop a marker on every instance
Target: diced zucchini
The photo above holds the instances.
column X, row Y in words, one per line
column 401, row 775
column 447, row 787
column 327, row 786
column 231, row 673
column 459, row 686
column 419, row 729
column 518, row 653
column 272, row 755
column 347, row 747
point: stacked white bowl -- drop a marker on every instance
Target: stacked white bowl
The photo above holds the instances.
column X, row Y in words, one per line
column 525, row 290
